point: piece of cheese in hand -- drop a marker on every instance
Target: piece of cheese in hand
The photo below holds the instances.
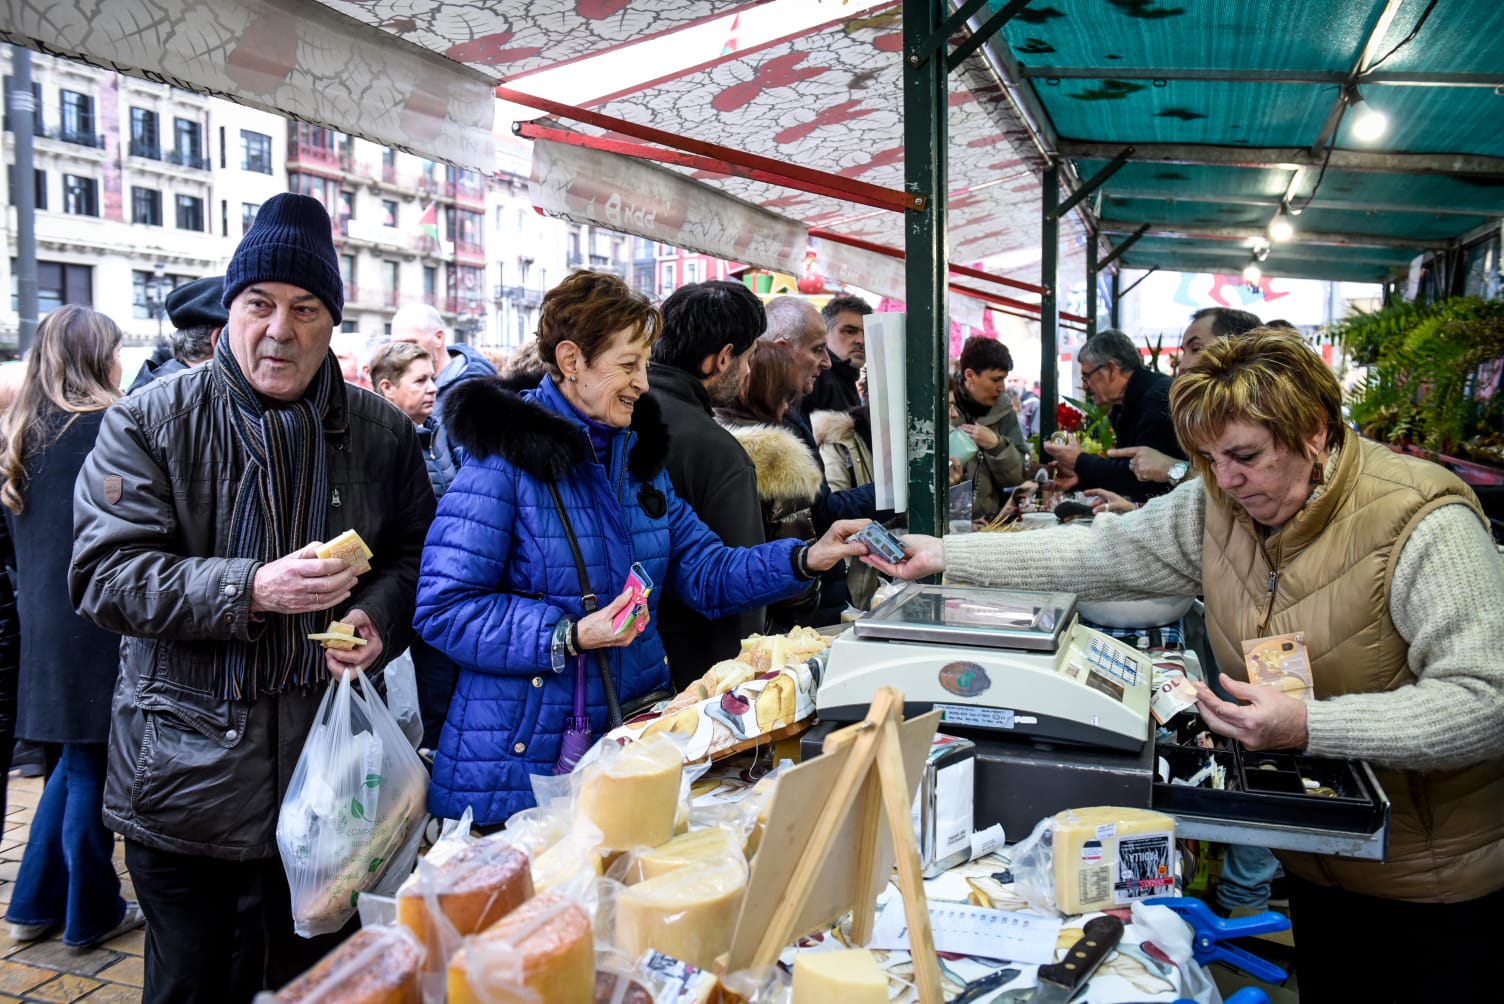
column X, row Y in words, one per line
column 478, row 886
column 851, row 977
column 543, row 949
column 632, row 797
column 1108, row 856
column 688, row 914
column 338, row 635
column 350, row 548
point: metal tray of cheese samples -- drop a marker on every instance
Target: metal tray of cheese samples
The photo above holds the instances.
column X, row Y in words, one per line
column 1266, row 804
column 967, row 615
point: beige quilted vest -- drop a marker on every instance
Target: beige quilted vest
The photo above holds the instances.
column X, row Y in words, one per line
column 1328, row 573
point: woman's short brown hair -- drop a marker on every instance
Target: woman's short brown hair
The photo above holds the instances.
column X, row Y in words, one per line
column 775, row 377
column 588, row 308
column 392, row 360
column 1268, row 376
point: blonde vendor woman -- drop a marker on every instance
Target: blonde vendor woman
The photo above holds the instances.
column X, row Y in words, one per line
column 1386, row 564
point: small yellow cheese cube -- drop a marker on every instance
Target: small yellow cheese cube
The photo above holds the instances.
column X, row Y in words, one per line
column 851, row 977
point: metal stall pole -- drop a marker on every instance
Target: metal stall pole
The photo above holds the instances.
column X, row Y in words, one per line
column 1049, row 306
column 925, row 138
column 1091, row 284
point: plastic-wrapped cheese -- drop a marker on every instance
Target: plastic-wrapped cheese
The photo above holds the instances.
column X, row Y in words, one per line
column 376, row 965
column 699, row 847
column 1107, row 856
column 851, row 977
column 476, row 887
column 632, row 796
column 543, row 949
column 689, row 914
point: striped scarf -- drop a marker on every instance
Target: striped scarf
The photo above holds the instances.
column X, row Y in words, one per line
column 281, row 505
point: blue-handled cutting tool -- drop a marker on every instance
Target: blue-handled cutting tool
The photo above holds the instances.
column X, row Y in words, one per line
column 1210, row 931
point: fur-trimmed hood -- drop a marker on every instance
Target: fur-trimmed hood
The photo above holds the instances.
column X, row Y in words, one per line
column 785, row 470
column 841, row 426
column 488, row 418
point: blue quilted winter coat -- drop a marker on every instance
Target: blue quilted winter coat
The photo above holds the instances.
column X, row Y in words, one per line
column 497, row 575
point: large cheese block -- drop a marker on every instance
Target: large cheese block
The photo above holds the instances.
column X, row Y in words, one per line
column 688, row 914
column 850, row 977
column 632, row 796
column 376, row 965
column 476, row 887
column 543, row 947
column 699, row 847
column 1106, row 856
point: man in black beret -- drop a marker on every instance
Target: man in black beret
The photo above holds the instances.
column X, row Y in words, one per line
column 196, row 314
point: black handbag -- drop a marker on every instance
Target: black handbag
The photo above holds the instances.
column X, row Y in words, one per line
column 591, row 604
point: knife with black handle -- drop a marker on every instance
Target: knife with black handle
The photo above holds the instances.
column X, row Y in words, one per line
column 1059, row 982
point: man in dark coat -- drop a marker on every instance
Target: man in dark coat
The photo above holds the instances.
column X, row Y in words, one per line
column 794, row 321
column 846, row 343
column 195, row 524
column 700, row 362
column 1114, row 372
column 198, row 317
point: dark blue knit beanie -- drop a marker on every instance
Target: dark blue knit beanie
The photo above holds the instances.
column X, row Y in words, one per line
column 291, row 241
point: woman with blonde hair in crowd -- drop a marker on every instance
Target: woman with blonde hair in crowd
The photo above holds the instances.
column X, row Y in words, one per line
column 68, row 666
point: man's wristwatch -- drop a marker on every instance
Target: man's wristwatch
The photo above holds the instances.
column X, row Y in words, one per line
column 1178, row 470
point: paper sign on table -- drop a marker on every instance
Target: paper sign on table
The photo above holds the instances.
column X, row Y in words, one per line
column 1013, row 936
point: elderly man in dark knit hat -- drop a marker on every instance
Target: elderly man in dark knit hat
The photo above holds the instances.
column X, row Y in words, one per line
column 198, row 317
column 196, row 519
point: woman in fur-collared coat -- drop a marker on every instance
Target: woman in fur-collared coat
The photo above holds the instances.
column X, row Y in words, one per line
column 500, row 593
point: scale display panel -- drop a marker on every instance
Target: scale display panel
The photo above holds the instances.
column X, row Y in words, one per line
column 962, row 615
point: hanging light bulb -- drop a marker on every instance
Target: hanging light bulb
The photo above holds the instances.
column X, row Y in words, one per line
column 1368, row 124
column 1280, row 229
column 1252, row 274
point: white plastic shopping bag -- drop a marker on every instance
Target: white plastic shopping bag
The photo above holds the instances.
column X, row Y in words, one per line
column 352, row 818
column 402, row 696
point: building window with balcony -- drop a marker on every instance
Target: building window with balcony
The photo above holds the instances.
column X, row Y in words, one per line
column 388, row 213
column 36, row 104
column 78, row 119
column 469, row 289
column 188, row 139
column 57, row 283
column 466, row 229
column 255, row 152
column 190, row 212
column 390, row 292
column 248, row 211
column 40, row 177
column 146, row 138
column 430, row 285
column 323, row 189
column 347, row 273
column 149, row 290
column 80, row 195
column 666, row 278
column 146, row 206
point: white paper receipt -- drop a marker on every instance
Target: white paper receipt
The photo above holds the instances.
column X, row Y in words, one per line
column 1007, row 935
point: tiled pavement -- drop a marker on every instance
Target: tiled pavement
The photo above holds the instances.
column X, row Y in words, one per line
column 49, row 970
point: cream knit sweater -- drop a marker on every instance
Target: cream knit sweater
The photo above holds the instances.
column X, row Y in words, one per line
column 1447, row 600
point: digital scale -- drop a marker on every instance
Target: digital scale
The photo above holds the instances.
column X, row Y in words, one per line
column 1059, row 714
column 996, row 660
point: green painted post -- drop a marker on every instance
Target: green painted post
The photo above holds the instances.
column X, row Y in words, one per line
column 925, row 106
column 1091, row 284
column 1049, row 306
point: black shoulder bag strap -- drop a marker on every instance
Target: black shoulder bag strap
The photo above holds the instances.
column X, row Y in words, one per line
column 588, row 600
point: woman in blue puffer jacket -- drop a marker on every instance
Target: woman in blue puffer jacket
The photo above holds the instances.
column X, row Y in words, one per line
column 500, row 593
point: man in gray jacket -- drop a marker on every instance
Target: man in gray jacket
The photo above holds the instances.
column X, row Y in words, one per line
column 196, row 518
